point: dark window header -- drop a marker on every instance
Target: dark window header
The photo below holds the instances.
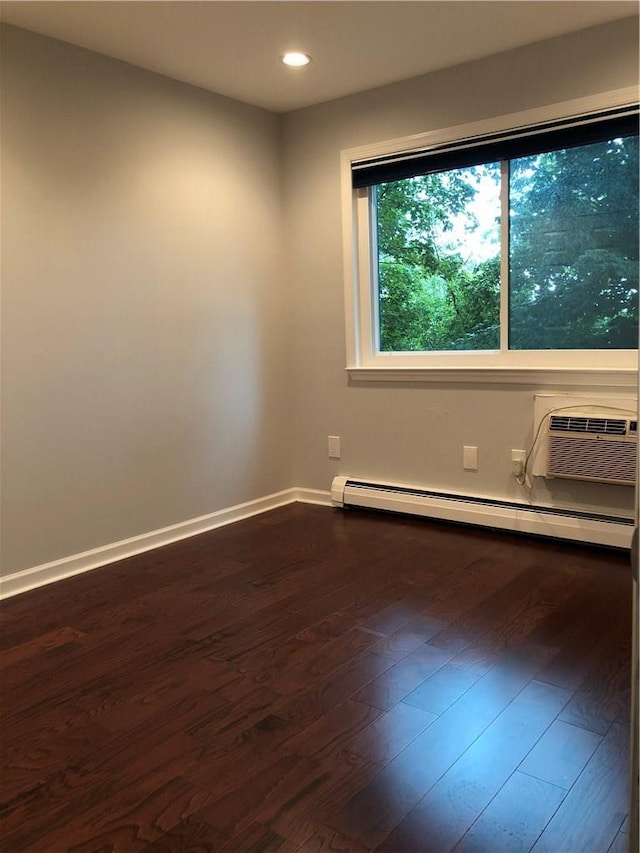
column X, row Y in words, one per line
column 520, row 142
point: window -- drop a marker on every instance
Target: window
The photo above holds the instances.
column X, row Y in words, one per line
column 438, row 261
column 512, row 250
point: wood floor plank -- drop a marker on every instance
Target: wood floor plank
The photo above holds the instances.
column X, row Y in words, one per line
column 408, row 637
column 189, row 835
column 571, row 664
column 256, row 839
column 516, row 620
column 119, row 702
column 374, row 812
column 232, row 813
column 277, row 684
column 620, row 844
column 470, row 581
column 335, row 779
column 147, row 820
column 390, row 733
column 402, row 678
column 40, row 645
column 91, row 795
column 165, row 689
column 242, row 631
column 219, row 773
column 43, row 752
column 326, row 628
column 496, row 608
column 394, row 617
column 328, row 841
column 332, row 730
column 441, row 689
column 96, row 657
column 229, row 719
column 515, row 817
column 595, row 807
column 449, row 809
column 322, row 661
column 250, row 746
column 561, row 754
column 306, row 706
column 605, row 693
column 310, row 785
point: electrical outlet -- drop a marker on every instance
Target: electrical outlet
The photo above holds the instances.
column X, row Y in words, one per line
column 518, row 460
column 470, row 458
column 334, row 447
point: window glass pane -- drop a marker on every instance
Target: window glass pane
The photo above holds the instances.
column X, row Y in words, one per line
column 574, row 248
column 439, row 261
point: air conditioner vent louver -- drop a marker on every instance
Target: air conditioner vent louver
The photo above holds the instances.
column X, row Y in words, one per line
column 595, row 449
column 583, row 459
column 603, row 426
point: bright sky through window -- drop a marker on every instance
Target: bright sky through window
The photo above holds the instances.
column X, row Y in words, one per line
column 475, row 232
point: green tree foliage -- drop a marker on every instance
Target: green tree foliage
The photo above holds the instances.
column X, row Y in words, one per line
column 574, row 248
column 573, row 256
column 431, row 298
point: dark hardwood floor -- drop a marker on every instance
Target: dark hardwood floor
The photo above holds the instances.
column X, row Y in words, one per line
column 318, row 680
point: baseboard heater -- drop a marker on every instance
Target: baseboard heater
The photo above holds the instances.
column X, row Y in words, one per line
column 576, row 525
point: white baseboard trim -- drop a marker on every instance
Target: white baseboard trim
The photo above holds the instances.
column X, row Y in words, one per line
column 76, row 564
column 312, row 496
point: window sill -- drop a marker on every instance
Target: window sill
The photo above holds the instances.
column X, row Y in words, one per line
column 557, row 377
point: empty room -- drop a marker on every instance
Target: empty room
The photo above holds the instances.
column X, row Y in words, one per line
column 319, row 426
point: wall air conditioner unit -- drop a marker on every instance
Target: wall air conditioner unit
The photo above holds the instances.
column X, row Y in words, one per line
column 584, row 446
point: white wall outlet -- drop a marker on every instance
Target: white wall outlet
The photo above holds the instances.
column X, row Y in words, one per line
column 334, row 447
column 470, row 458
column 518, row 460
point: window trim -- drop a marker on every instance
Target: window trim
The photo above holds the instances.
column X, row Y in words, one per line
column 553, row 367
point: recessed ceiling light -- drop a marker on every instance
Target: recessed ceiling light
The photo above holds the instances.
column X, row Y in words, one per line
column 296, row 60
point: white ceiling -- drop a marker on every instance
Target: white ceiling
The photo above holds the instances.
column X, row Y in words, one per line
column 233, row 48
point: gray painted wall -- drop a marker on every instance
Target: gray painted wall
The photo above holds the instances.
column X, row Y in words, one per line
column 145, row 369
column 415, row 434
column 173, row 337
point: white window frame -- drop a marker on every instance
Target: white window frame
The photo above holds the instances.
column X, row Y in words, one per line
column 592, row 368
